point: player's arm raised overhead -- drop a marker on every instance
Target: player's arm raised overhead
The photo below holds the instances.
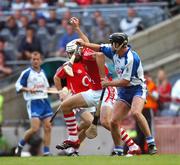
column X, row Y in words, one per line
column 99, row 56
column 85, row 41
column 76, row 24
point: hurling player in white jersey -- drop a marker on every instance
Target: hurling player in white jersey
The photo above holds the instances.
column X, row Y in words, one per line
column 38, row 107
column 131, row 86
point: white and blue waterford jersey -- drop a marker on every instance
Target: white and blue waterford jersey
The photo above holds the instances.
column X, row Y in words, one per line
column 32, row 79
column 127, row 67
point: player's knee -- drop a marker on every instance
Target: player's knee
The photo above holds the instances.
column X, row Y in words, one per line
column 34, row 129
column 64, row 107
column 114, row 123
column 136, row 114
column 104, row 122
column 47, row 128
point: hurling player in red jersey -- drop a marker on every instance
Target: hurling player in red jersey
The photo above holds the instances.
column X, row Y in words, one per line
column 91, row 97
column 78, row 83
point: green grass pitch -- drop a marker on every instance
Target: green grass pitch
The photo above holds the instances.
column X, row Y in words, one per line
column 93, row 160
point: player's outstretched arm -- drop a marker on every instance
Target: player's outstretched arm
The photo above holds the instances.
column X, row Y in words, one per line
column 92, row 46
column 100, row 60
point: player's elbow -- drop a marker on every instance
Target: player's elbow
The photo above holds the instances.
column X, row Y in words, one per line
column 56, row 79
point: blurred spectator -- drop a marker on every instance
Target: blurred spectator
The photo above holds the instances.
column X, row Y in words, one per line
column 7, row 56
column 63, row 26
column 101, row 32
column 143, row 1
column 53, row 17
column 95, row 16
column 4, row 70
column 17, row 15
column 150, row 107
column 29, row 4
column 42, row 25
column 102, row 1
column 175, row 95
column 67, row 14
column 52, row 2
column 37, row 4
column 83, row 2
column 174, row 108
column 5, row 5
column 17, row 5
column 69, row 35
column 174, row 7
column 40, row 4
column 164, row 89
column 131, row 24
column 12, row 26
column 29, row 44
column 33, row 19
column 24, row 22
column 2, row 25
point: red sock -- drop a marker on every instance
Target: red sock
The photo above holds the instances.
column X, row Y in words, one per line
column 125, row 138
column 71, row 124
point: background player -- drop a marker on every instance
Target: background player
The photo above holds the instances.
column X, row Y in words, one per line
column 38, row 107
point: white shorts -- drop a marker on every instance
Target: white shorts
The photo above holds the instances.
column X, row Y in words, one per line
column 92, row 97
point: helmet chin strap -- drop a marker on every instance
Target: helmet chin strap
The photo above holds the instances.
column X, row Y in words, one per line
column 119, row 47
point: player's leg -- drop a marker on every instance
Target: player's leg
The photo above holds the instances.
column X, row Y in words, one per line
column 34, row 111
column 105, row 116
column 86, row 120
column 67, row 107
column 46, row 117
column 35, row 124
column 136, row 109
column 47, row 135
column 121, row 109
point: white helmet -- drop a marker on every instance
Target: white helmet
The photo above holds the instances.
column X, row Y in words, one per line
column 71, row 46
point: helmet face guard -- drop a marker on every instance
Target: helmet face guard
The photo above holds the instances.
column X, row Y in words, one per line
column 118, row 40
column 71, row 47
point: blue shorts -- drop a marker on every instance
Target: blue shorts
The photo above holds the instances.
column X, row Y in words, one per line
column 39, row 108
column 127, row 94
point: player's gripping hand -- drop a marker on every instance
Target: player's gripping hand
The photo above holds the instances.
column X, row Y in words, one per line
column 104, row 82
column 75, row 22
column 64, row 94
column 32, row 90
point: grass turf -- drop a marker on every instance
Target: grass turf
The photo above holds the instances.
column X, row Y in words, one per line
column 93, row 160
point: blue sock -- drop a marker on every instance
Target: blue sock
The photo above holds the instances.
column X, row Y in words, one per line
column 150, row 140
column 118, row 150
column 21, row 143
column 46, row 150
